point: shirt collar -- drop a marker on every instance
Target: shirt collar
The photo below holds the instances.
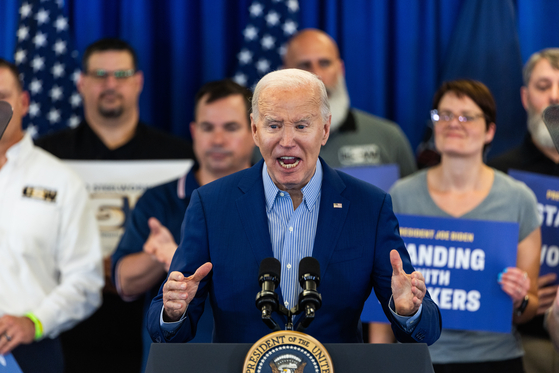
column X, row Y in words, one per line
column 20, row 149
column 187, row 183
column 311, row 191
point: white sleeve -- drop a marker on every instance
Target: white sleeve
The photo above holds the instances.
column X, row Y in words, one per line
column 79, row 265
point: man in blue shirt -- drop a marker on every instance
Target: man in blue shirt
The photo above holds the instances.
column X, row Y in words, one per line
column 223, row 144
column 288, row 206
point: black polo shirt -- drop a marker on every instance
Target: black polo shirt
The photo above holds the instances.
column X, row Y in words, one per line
column 81, row 143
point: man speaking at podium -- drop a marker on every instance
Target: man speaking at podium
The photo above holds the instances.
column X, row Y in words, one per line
column 289, row 206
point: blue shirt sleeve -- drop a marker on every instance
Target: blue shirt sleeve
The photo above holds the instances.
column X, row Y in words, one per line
column 407, row 323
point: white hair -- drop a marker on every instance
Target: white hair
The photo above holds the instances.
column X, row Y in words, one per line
column 291, row 79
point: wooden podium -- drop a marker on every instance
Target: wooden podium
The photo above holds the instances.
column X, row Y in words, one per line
column 346, row 357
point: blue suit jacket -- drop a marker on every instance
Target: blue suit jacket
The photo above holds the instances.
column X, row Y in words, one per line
column 226, row 224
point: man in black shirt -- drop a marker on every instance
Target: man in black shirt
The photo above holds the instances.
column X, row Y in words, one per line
column 537, row 154
column 110, row 85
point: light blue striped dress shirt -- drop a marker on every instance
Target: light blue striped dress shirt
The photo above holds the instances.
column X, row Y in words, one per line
column 292, row 232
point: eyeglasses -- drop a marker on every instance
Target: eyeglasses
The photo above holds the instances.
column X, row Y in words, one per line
column 447, row 116
column 101, row 74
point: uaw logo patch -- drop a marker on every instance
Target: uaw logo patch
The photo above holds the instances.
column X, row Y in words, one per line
column 352, row 155
column 39, row 193
column 288, row 352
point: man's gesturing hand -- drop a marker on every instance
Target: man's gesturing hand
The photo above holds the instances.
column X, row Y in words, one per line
column 407, row 290
column 179, row 291
column 160, row 243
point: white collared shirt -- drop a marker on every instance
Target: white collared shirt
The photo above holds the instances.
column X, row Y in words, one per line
column 50, row 252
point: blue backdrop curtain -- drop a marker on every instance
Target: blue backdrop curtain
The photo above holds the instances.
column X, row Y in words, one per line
column 396, row 52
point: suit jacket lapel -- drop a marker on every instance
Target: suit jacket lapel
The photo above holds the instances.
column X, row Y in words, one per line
column 333, row 212
column 252, row 210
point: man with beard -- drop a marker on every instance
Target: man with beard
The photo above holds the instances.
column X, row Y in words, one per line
column 537, row 154
column 110, row 85
column 356, row 138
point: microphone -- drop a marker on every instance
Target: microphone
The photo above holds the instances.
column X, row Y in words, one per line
column 550, row 118
column 309, row 299
column 267, row 299
column 5, row 116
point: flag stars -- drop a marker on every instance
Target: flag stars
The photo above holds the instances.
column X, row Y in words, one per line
column 59, row 47
column 53, row 116
column 40, row 40
column 272, row 18
column 74, row 121
column 240, row 79
column 256, row 10
column 250, row 32
column 34, row 109
column 20, row 56
column 38, row 63
column 289, row 27
column 76, row 76
column 56, row 93
column 292, row 5
column 32, row 130
column 57, row 70
column 61, row 23
column 75, row 100
column 245, row 56
column 282, row 50
column 36, row 86
column 44, row 53
column 25, row 10
column 268, row 42
column 22, row 33
column 263, row 66
column 42, row 17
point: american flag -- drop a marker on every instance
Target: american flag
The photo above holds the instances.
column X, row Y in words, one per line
column 271, row 23
column 48, row 65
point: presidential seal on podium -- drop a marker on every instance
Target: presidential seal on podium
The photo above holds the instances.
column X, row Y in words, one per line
column 288, row 351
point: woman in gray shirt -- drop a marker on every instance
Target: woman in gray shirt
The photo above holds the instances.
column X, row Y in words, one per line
column 462, row 186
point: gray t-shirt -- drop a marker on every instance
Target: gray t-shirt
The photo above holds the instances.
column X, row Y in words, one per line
column 508, row 200
column 374, row 141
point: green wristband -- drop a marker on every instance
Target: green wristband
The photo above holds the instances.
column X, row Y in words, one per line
column 37, row 323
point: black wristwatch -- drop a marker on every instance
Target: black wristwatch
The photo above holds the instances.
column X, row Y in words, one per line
column 520, row 310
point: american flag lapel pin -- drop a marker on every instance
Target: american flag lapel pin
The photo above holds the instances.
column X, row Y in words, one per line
column 337, row 205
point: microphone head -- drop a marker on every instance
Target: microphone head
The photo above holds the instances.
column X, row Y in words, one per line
column 5, row 116
column 550, row 118
column 270, row 270
column 309, row 269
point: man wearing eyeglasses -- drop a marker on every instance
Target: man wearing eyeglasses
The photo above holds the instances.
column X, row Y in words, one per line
column 110, row 85
column 537, row 154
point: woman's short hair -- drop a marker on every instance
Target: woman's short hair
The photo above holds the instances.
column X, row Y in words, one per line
column 477, row 91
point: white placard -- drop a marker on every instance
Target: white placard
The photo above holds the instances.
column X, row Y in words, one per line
column 115, row 186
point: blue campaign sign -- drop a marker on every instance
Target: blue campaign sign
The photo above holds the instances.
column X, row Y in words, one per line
column 546, row 189
column 460, row 260
column 8, row 364
column 381, row 176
